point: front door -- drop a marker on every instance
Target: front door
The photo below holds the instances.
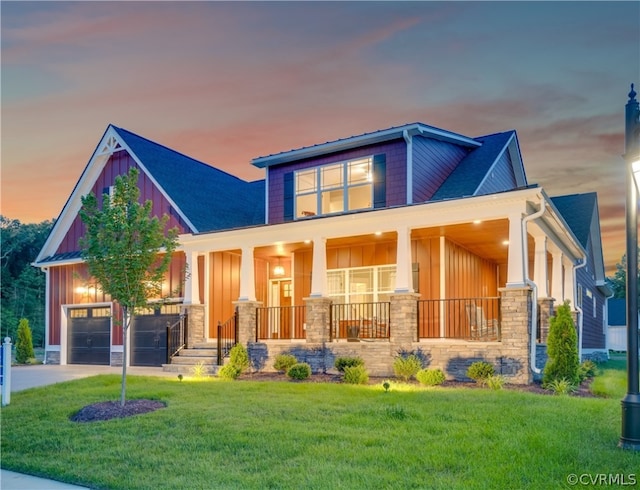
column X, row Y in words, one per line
column 281, row 323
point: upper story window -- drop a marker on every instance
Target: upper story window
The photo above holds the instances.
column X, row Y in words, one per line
column 334, row 188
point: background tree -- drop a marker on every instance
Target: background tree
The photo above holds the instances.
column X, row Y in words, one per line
column 618, row 282
column 562, row 348
column 22, row 286
column 122, row 246
column 24, row 344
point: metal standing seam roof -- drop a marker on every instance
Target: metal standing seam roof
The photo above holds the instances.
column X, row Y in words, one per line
column 210, row 198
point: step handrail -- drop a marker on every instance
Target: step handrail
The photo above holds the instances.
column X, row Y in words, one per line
column 176, row 337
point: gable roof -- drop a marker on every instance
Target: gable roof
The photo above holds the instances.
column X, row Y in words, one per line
column 580, row 212
column 198, row 190
column 206, row 198
column 466, row 178
column 364, row 139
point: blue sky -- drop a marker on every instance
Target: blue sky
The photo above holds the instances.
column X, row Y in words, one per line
column 225, row 82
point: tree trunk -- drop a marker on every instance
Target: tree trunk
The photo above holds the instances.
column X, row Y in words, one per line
column 125, row 327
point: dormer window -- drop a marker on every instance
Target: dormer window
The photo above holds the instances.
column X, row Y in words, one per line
column 334, row 188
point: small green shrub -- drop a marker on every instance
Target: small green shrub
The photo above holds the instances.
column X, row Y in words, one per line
column 229, row 371
column 299, row 371
column 386, row 385
column 431, row 377
column 283, row 362
column 344, row 362
column 199, row 370
column 24, row 343
column 239, row 357
column 562, row 348
column 587, row 369
column 494, row 382
column 561, row 386
column 355, row 375
column 406, row 368
column 480, row 370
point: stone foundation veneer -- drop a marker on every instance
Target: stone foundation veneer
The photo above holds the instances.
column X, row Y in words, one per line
column 52, row 357
column 545, row 311
column 247, row 321
column 195, row 324
column 317, row 320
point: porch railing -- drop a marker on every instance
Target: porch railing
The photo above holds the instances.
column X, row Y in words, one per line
column 227, row 337
column 176, row 337
column 281, row 322
column 462, row 318
column 356, row 321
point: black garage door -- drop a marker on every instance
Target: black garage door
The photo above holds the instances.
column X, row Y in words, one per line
column 149, row 335
column 89, row 335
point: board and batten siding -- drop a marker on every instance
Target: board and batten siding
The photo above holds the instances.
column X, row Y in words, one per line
column 433, row 162
column 395, row 178
column 119, row 164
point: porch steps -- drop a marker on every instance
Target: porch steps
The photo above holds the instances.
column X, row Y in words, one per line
column 204, row 352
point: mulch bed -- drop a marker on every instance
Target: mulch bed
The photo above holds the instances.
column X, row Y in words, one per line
column 113, row 410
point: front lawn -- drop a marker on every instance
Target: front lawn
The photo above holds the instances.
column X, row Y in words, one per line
column 247, row 434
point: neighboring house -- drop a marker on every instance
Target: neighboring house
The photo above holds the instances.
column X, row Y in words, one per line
column 580, row 211
column 617, row 324
column 411, row 238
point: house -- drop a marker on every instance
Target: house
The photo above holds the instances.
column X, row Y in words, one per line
column 617, row 324
column 411, row 238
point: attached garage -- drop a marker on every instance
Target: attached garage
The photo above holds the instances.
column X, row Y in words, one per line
column 89, row 335
column 149, row 335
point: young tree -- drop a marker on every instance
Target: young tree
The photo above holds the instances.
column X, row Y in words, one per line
column 24, row 344
column 562, row 347
column 126, row 250
column 618, row 282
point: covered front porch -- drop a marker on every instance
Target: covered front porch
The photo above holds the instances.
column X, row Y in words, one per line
column 450, row 279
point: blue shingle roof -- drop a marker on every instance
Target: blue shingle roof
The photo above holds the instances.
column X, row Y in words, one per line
column 469, row 173
column 577, row 211
column 210, row 198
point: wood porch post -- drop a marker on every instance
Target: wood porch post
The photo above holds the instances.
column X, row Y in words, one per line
column 556, row 276
column 319, row 268
column 247, row 276
column 541, row 277
column 404, row 282
column 515, row 263
column 192, row 282
column 569, row 286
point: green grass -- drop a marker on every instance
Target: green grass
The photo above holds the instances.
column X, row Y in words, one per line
column 611, row 379
column 245, row 434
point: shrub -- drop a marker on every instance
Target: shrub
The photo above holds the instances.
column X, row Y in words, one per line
column 24, row 343
column 344, row 362
column 495, row 382
column 199, row 370
column 562, row 348
column 406, row 368
column 587, row 370
column 283, row 362
column 561, row 386
column 239, row 357
column 431, row 377
column 480, row 370
column 299, row 371
column 356, row 375
column 229, row 371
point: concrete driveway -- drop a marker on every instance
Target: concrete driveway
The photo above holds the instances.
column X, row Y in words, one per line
column 25, row 377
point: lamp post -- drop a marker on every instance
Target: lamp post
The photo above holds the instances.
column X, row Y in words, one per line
column 630, row 438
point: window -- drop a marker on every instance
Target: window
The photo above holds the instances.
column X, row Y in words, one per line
column 362, row 284
column 334, row 188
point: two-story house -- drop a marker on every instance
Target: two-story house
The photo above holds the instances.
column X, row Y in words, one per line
column 411, row 238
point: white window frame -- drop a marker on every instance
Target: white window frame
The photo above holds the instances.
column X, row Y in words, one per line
column 348, row 292
column 344, row 186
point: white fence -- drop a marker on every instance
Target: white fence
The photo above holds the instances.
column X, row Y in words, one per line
column 617, row 338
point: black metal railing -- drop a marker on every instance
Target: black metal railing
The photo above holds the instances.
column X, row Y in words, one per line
column 461, row 318
column 356, row 321
column 281, row 322
column 227, row 337
column 176, row 337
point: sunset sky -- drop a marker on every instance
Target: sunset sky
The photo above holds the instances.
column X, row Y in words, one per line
column 225, row 82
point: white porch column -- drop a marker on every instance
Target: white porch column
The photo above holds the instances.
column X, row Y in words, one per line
column 569, row 286
column 404, row 277
column 191, row 284
column 319, row 268
column 556, row 276
column 515, row 263
column 247, row 276
column 541, row 276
